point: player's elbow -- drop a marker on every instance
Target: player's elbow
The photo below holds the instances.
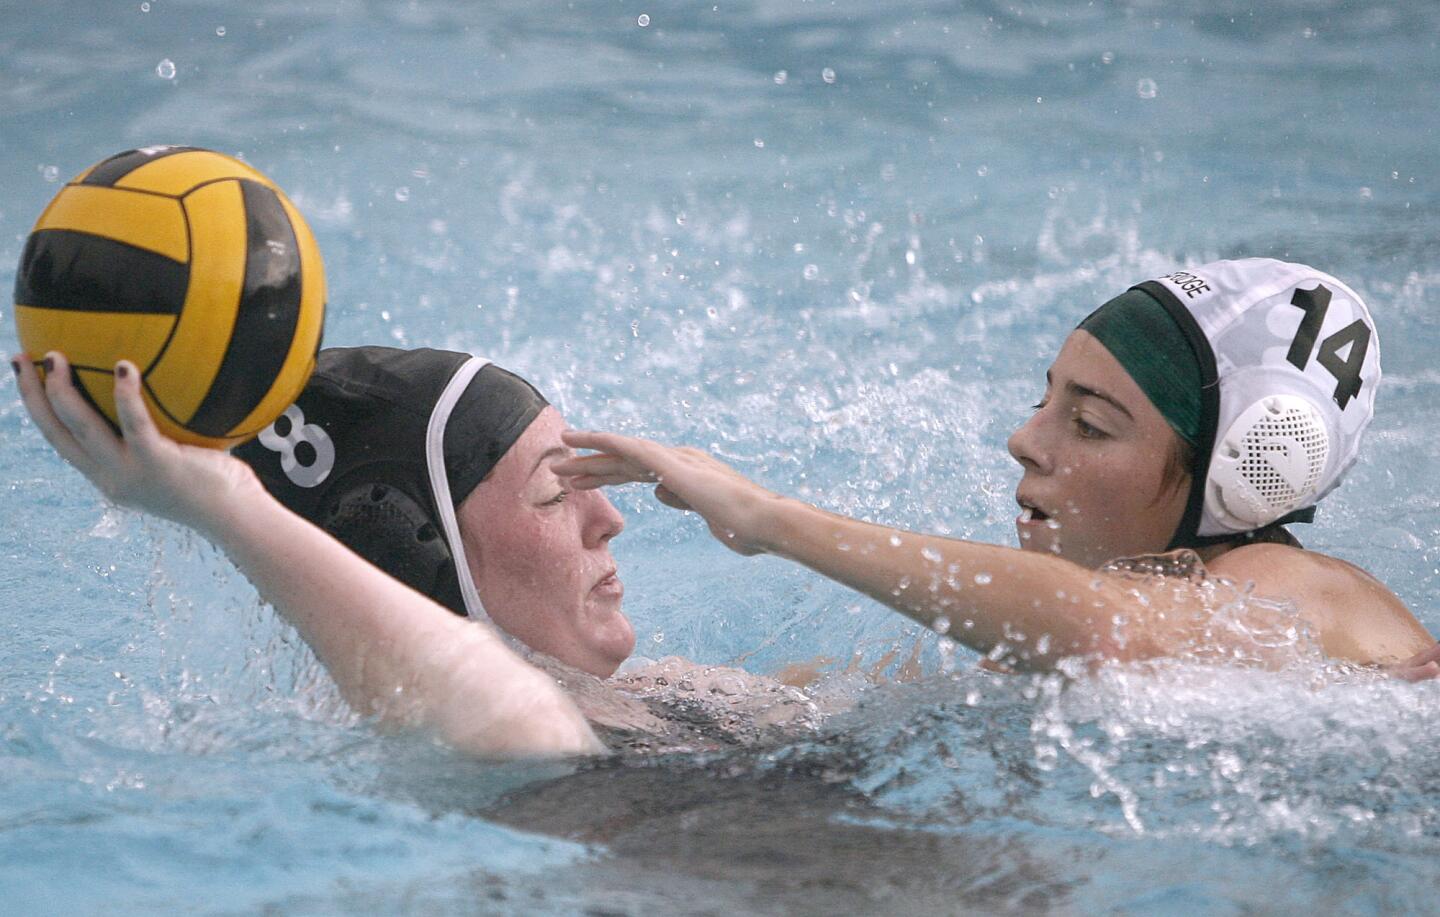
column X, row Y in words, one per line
column 547, row 726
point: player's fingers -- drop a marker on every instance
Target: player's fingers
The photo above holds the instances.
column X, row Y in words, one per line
column 1421, row 673
column 94, row 435
column 1430, row 655
column 136, row 423
column 631, row 448
column 37, row 402
column 607, row 468
column 598, row 463
column 594, row 439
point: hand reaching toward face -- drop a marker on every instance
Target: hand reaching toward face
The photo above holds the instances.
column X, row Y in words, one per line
column 144, row 470
column 738, row 511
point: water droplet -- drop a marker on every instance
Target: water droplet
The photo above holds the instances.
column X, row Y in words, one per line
column 402, row 194
column 759, row 144
column 220, row 31
column 780, row 77
column 894, row 541
column 680, row 218
column 144, row 7
column 827, row 75
column 1366, row 194
column 657, row 637
column 1047, row 756
column 931, row 555
column 941, row 625
column 1146, row 88
column 1107, row 58
column 50, row 173
column 982, row 579
column 811, row 272
column 165, row 69
column 643, row 21
column 982, row 171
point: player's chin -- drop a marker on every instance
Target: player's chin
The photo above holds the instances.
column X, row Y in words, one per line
column 1040, row 539
column 609, row 644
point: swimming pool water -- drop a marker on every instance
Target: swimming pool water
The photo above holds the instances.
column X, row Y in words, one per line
column 837, row 243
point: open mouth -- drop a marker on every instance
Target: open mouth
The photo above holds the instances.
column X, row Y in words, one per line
column 1030, row 513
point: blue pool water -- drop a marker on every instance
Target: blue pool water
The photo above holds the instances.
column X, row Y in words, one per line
column 837, row 243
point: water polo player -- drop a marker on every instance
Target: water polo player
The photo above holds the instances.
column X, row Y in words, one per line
column 1204, row 410
column 408, row 433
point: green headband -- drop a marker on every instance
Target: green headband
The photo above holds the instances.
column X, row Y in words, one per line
column 1141, row 334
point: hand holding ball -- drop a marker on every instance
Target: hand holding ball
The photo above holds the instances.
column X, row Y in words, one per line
column 193, row 266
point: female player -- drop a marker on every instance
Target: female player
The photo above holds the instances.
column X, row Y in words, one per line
column 395, row 654
column 1203, row 410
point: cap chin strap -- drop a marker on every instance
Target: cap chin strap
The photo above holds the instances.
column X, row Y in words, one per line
column 440, row 481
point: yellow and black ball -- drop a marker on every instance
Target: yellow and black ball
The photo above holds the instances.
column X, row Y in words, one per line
column 190, row 264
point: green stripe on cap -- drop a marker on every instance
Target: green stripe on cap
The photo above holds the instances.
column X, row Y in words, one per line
column 1141, row 334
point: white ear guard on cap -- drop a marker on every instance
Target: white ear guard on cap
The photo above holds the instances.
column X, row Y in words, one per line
column 1295, row 367
column 1268, row 463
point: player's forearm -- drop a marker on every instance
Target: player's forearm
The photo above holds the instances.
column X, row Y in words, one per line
column 1040, row 609
column 394, row 653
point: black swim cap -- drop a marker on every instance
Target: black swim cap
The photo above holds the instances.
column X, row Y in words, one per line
column 384, row 444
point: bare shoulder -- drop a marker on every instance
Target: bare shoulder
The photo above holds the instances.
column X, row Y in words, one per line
column 1356, row 616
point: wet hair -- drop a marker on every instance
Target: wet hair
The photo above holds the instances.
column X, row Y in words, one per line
column 1179, row 465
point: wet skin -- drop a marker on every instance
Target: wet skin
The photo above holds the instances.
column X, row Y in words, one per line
column 1094, row 455
column 540, row 555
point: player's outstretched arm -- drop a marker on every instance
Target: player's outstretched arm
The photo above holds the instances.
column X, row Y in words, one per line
column 394, row 653
column 930, row 579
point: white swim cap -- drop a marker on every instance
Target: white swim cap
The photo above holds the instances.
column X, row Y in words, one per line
column 1291, row 362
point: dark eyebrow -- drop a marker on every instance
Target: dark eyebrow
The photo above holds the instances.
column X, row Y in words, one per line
column 1081, row 391
column 1077, row 390
column 549, row 453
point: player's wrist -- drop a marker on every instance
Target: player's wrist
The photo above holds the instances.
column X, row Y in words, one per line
column 224, row 510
